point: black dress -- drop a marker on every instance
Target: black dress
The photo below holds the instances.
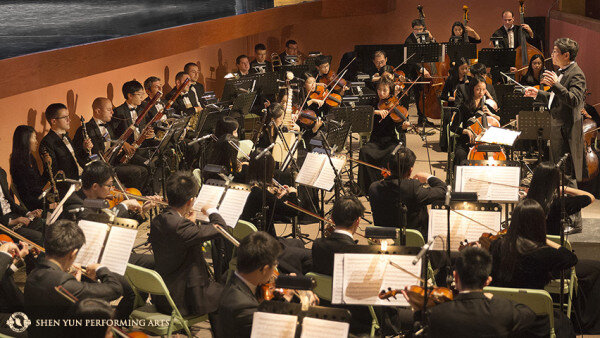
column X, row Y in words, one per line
column 460, row 123
column 573, row 205
column 28, row 181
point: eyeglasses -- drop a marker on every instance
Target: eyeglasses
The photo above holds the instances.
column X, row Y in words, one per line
column 66, row 117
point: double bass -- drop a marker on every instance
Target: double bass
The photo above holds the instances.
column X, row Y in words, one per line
column 525, row 50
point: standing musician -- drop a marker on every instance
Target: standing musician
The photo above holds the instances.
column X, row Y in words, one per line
column 384, row 138
column 290, row 56
column 260, row 64
column 185, row 103
column 196, row 88
column 243, row 65
column 565, row 99
column 26, row 177
column 469, row 109
column 511, row 33
column 458, row 29
column 101, row 134
column 386, row 195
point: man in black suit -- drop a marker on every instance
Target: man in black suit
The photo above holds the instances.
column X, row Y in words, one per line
column 418, row 26
column 58, row 145
column 260, row 64
column 243, row 65
column 196, row 88
column 101, row 134
column 126, row 114
column 256, row 262
column 472, row 313
column 290, row 55
column 511, row 33
column 565, row 100
column 11, row 297
column 63, row 241
column 177, row 243
column 185, row 103
column 153, row 85
column 387, row 194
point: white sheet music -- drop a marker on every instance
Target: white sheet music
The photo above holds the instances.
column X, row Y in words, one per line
column 320, row 328
column 95, row 233
column 502, row 136
column 461, row 228
column 273, row 325
column 366, row 275
column 118, row 249
column 208, row 195
column 232, row 205
column 326, row 178
column 338, row 279
column 491, row 183
column 310, row 170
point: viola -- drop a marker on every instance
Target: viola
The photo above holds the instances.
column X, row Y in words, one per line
column 116, row 196
column 307, row 118
column 485, row 240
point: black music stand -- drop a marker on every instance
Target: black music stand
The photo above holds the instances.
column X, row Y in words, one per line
column 461, row 50
column 359, row 117
column 364, row 56
column 535, row 125
column 265, row 83
column 499, row 59
column 426, row 52
column 180, row 126
column 297, row 70
column 244, row 102
column 512, row 104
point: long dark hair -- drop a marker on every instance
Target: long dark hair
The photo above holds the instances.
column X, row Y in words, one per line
column 21, row 149
column 226, row 125
column 544, row 185
column 470, row 101
column 256, row 168
column 455, row 68
column 530, row 68
column 223, row 153
column 526, row 233
column 457, row 23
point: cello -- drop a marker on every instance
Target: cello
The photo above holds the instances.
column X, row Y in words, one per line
column 590, row 131
column 525, row 50
column 481, row 124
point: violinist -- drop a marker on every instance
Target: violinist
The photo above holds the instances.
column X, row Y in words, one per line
column 326, row 76
column 384, row 136
column 11, row 297
column 473, row 313
column 469, row 109
column 260, row 64
column 314, row 104
column 511, row 33
column 458, row 29
column 243, row 65
column 291, row 55
column 410, row 70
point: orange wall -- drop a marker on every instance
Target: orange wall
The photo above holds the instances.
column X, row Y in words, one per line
column 76, row 75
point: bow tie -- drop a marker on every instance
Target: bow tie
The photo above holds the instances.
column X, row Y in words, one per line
column 133, row 109
column 101, row 124
column 64, row 136
column 511, row 29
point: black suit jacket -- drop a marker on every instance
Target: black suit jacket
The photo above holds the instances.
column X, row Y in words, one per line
column 324, row 250
column 236, row 309
column 385, row 194
column 121, row 120
column 501, row 32
column 16, row 210
column 96, row 137
column 474, row 315
column 197, row 90
column 177, row 244
column 153, row 110
column 62, row 159
column 11, row 298
column 566, row 124
column 42, row 300
column 179, row 106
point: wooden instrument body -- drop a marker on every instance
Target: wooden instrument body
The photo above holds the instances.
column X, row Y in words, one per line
column 591, row 158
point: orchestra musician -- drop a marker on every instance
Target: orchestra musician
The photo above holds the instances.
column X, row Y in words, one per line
column 290, row 56
column 478, row 69
column 418, row 26
column 458, row 76
column 458, row 29
column 243, row 65
column 11, row 297
column 384, row 137
column 409, row 189
column 511, row 33
column 26, row 177
column 126, row 114
column 222, row 153
column 185, row 103
column 534, row 74
column 260, row 64
column 323, row 64
column 196, row 88
column 153, row 85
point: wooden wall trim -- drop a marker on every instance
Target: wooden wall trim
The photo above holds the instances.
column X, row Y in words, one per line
column 578, row 20
column 34, row 71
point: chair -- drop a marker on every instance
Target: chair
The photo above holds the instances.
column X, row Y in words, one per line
column 570, row 284
column 241, row 230
column 539, row 301
column 13, row 189
column 323, row 289
column 149, row 281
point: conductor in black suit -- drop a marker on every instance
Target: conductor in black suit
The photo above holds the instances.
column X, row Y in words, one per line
column 58, row 145
column 177, row 243
column 410, row 190
column 472, row 313
column 565, row 99
column 511, row 33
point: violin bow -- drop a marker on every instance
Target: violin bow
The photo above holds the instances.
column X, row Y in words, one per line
column 472, row 220
column 343, row 69
column 336, row 82
column 405, row 61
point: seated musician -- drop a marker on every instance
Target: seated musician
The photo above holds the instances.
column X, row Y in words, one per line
column 533, row 74
column 473, row 313
column 127, row 113
column 418, row 26
column 222, row 153
column 101, row 133
column 260, row 64
column 478, row 69
column 511, row 33
column 290, row 54
column 273, row 123
column 323, row 65
column 384, row 137
column 177, row 243
column 11, row 297
column 411, row 70
column 458, row 30
column 64, row 239
column 58, row 145
column 469, row 110
column 458, row 76
column 243, row 65
column 153, row 85
column 410, row 190
column 196, row 88
column 304, row 97
column 525, row 258
column 24, row 170
column 185, row 103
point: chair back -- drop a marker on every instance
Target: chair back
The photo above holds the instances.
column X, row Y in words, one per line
column 539, row 301
column 198, row 175
column 145, row 280
column 243, row 229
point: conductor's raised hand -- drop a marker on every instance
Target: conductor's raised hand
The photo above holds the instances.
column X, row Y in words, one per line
column 550, row 78
column 531, row 92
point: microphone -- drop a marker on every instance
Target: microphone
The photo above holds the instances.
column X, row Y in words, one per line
column 448, row 192
column 266, row 150
column 200, row 139
column 400, row 145
column 295, row 282
column 562, row 160
column 68, row 180
column 424, row 250
column 381, row 232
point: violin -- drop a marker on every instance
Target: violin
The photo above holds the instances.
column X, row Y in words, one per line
column 322, row 93
column 485, row 240
column 330, row 78
column 397, row 112
column 385, row 172
column 307, row 118
column 117, row 196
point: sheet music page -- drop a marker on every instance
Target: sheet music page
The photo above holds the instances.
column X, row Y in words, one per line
column 232, row 205
column 310, row 169
column 500, row 136
column 320, row 328
column 208, row 195
column 491, row 183
column 277, row 325
column 366, row 275
column 326, row 179
column 338, row 279
column 118, row 249
column 461, row 228
column 95, row 233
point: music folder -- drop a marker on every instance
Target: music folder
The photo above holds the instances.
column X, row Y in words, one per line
column 228, row 199
column 317, row 172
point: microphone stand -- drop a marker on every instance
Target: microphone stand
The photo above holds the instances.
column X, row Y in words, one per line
column 402, row 209
column 564, row 223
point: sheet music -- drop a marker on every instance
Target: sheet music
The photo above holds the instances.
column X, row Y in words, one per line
column 310, row 169
column 232, row 205
column 491, row 183
column 118, row 249
column 326, row 178
column 59, row 208
column 461, row 228
column 338, row 279
column 320, row 328
column 366, row 275
column 277, row 325
column 499, row 136
column 95, row 233
column 208, row 195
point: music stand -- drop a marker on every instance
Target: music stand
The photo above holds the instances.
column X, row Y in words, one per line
column 461, row 50
column 512, row 104
column 427, row 52
column 244, row 102
column 180, row 127
column 297, row 70
column 364, row 56
column 360, row 118
column 499, row 59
